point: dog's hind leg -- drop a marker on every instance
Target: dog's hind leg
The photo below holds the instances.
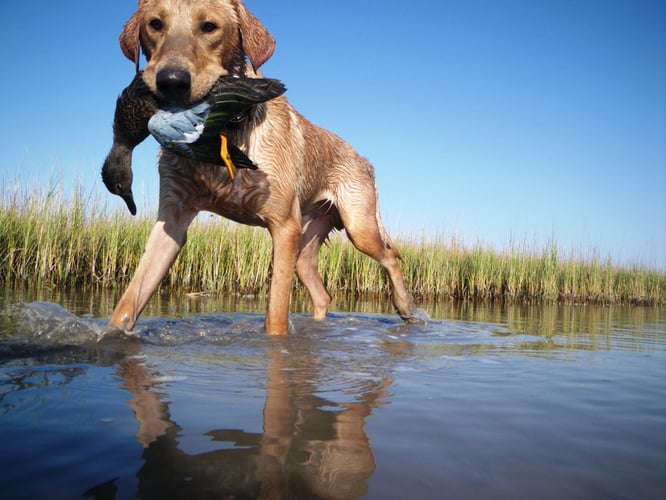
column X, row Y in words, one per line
column 165, row 241
column 371, row 243
column 307, row 270
column 364, row 228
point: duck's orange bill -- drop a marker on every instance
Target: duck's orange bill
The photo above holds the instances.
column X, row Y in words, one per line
column 226, row 157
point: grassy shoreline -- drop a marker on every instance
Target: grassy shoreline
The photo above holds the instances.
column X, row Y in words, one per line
column 47, row 240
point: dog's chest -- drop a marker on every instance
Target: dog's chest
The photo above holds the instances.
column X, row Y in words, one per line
column 205, row 186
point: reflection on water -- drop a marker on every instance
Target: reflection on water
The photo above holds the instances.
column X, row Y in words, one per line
column 309, row 446
column 492, row 402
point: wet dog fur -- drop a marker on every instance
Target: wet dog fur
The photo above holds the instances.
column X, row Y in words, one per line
column 309, row 180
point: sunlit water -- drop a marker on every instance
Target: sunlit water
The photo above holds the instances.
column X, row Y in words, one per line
column 543, row 402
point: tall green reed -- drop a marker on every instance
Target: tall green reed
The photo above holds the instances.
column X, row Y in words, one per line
column 49, row 239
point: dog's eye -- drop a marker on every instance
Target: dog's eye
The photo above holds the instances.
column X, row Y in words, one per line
column 156, row 24
column 208, row 27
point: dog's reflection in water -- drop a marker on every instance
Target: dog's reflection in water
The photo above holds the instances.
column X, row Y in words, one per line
column 309, row 448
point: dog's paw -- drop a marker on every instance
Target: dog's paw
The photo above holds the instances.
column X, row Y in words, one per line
column 417, row 316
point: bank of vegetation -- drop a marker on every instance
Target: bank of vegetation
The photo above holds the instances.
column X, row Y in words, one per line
column 48, row 239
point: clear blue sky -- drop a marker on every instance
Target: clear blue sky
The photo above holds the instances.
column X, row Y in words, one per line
column 488, row 121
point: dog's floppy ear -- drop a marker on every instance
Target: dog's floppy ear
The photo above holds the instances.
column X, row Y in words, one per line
column 257, row 42
column 129, row 39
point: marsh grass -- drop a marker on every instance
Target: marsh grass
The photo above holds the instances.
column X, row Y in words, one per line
column 48, row 239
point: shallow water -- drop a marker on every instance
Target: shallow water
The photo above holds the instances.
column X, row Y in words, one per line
column 542, row 402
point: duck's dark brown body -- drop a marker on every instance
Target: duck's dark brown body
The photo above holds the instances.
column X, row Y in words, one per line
column 229, row 97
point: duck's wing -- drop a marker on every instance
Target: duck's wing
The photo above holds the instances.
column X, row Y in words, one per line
column 176, row 129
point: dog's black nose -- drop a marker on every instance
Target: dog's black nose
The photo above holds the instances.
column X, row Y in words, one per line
column 174, row 84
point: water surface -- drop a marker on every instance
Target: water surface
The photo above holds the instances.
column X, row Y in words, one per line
column 502, row 402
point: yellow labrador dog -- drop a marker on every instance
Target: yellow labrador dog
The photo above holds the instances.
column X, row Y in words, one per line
column 309, row 181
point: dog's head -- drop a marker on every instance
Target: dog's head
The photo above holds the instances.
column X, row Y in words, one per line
column 189, row 44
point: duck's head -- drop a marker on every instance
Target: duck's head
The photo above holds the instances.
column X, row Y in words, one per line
column 117, row 174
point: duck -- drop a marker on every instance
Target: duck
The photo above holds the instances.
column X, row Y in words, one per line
column 196, row 131
column 134, row 107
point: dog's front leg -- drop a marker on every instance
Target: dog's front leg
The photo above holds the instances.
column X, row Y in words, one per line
column 286, row 236
column 165, row 241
